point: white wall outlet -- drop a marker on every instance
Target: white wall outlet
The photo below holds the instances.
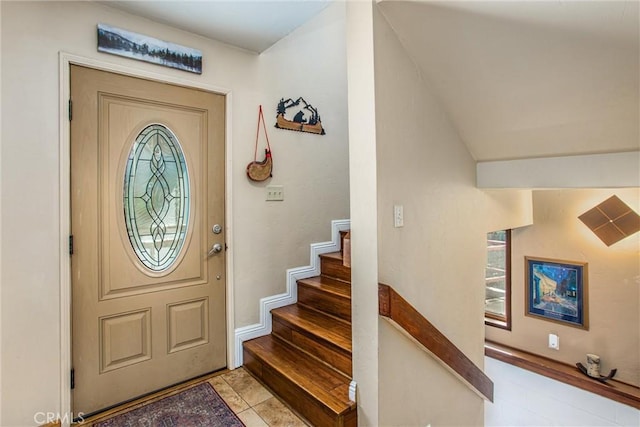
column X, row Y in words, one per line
column 554, row 341
column 275, row 193
column 398, row 216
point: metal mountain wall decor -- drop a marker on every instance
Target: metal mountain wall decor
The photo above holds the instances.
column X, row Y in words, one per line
column 299, row 122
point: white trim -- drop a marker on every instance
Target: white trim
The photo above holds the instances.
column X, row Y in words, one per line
column 267, row 304
column 229, row 294
column 65, row 61
column 607, row 170
column 0, row 222
column 353, row 388
column 65, row 230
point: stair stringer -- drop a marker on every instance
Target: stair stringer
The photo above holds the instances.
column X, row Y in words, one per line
column 289, row 297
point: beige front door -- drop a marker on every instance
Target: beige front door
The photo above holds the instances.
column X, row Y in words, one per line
column 147, row 189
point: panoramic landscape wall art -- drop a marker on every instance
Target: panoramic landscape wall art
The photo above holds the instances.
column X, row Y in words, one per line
column 149, row 49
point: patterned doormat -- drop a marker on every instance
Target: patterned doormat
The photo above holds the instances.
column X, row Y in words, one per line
column 198, row 406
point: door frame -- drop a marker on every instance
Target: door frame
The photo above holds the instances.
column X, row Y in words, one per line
column 67, row 59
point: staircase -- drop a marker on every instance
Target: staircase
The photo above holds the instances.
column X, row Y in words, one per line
column 306, row 360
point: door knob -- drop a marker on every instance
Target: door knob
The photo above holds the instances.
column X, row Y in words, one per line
column 216, row 248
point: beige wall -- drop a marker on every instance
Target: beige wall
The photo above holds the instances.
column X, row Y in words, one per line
column 508, row 209
column 614, row 282
column 314, row 169
column 0, row 220
column 436, row 261
column 364, row 218
column 33, row 34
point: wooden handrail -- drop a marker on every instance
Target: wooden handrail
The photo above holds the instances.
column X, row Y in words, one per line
column 404, row 316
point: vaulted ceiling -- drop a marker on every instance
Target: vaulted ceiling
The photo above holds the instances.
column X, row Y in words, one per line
column 519, row 79
column 524, row 79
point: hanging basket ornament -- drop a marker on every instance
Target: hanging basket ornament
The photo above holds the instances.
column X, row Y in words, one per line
column 261, row 171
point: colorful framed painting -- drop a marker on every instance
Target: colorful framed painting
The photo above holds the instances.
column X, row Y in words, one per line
column 556, row 290
column 117, row 41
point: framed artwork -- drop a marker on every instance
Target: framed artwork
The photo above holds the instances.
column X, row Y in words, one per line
column 556, row 290
column 117, row 41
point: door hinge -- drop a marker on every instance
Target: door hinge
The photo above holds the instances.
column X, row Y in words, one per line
column 73, row 379
column 70, row 109
column 71, row 244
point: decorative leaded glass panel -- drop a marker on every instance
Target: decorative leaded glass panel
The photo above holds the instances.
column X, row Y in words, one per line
column 156, row 197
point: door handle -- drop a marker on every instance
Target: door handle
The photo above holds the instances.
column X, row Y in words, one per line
column 215, row 249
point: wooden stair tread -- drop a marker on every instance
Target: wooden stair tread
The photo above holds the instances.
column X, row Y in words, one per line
column 306, row 360
column 314, row 377
column 327, row 294
column 333, row 255
column 328, row 284
column 332, row 265
column 314, row 323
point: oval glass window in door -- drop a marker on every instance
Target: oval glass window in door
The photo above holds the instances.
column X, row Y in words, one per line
column 156, row 197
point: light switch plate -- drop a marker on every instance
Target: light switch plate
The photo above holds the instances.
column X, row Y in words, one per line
column 275, row 193
column 398, row 216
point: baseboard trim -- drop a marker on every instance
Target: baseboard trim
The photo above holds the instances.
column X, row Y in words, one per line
column 267, row 304
column 353, row 388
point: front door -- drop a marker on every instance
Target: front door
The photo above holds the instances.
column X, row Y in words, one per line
column 148, row 263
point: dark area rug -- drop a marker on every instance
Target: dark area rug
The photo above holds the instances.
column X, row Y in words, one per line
column 198, row 406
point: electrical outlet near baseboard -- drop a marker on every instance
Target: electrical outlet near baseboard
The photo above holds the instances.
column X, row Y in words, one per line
column 554, row 341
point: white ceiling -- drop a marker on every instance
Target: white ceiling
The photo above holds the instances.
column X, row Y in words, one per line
column 524, row 79
column 519, row 79
column 250, row 24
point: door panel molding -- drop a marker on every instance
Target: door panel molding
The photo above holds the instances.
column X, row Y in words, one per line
column 67, row 59
column 107, row 292
column 183, row 272
column 111, row 334
column 194, row 330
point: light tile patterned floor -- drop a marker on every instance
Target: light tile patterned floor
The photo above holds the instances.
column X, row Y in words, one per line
column 253, row 403
column 250, row 400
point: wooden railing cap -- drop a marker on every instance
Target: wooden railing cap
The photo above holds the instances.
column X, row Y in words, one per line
column 404, row 316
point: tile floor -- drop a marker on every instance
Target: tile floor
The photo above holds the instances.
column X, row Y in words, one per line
column 253, row 403
column 249, row 399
